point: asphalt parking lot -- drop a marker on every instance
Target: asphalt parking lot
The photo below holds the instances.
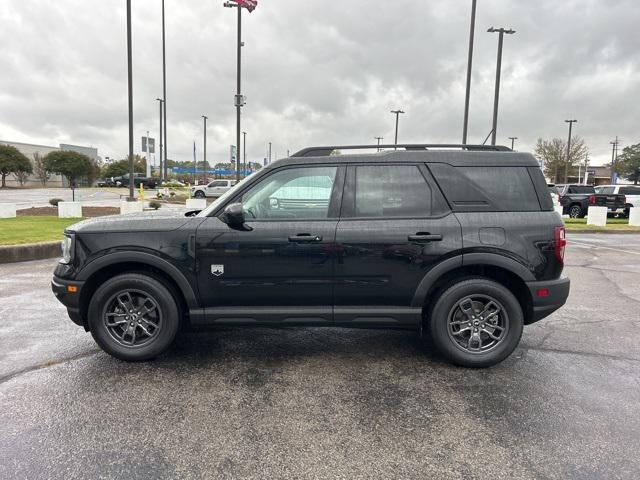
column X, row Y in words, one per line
column 328, row 403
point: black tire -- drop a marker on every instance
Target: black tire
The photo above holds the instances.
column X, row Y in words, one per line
column 107, row 300
column 447, row 307
column 199, row 194
column 575, row 211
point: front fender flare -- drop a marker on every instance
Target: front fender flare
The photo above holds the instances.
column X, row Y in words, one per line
column 148, row 259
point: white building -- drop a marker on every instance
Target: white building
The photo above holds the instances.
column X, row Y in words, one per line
column 29, row 150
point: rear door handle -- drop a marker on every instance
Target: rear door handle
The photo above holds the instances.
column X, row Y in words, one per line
column 425, row 237
column 305, row 238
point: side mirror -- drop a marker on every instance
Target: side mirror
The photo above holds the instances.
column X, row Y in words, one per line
column 233, row 215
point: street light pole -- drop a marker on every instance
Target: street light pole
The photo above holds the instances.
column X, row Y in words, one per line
column 163, row 173
column 501, row 32
column 244, row 152
column 513, row 139
column 614, row 157
column 160, row 102
column 269, row 152
column 566, row 165
column 130, row 90
column 472, row 29
column 204, row 163
column 378, row 139
column 397, row 114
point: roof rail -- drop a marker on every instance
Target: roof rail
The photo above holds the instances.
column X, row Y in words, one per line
column 328, row 150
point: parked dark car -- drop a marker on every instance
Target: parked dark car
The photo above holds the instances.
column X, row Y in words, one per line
column 138, row 179
column 576, row 199
column 106, row 182
column 460, row 245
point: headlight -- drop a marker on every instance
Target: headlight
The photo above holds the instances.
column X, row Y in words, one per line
column 67, row 249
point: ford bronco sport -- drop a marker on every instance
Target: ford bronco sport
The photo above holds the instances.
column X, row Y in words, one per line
column 460, row 243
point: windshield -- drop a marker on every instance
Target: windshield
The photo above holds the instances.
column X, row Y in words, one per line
column 222, row 199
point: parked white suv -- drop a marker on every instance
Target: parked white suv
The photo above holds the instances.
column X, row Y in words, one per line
column 212, row 189
column 631, row 193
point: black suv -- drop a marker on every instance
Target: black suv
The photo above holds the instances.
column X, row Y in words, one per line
column 460, row 243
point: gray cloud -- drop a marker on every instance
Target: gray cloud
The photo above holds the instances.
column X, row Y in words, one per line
column 318, row 72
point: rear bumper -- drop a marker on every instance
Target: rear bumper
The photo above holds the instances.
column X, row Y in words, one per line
column 71, row 300
column 558, row 291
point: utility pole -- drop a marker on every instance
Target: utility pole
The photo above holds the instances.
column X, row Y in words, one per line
column 204, row 163
column 160, row 102
column 163, row 173
column 501, row 32
column 378, row 139
column 269, row 153
column 244, row 152
column 566, row 164
column 513, row 139
column 614, row 157
column 397, row 114
column 130, row 90
column 472, row 29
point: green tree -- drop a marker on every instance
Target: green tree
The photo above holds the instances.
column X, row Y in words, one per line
column 13, row 161
column 121, row 167
column 72, row 165
column 39, row 169
column 628, row 164
column 553, row 154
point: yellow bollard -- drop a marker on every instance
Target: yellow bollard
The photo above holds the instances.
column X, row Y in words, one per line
column 142, row 191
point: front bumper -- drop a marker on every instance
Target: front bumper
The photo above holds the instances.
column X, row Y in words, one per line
column 557, row 293
column 69, row 299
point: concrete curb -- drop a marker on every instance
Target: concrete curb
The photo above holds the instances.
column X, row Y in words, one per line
column 29, row 251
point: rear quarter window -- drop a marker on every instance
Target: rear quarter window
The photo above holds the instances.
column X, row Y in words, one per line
column 501, row 189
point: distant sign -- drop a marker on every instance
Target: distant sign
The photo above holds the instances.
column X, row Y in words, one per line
column 233, row 153
column 150, row 143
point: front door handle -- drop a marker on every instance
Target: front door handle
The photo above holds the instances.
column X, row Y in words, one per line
column 305, row 238
column 425, row 237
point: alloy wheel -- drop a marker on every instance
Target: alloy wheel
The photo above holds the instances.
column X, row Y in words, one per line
column 133, row 318
column 477, row 324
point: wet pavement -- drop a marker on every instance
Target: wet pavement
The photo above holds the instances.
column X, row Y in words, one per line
column 328, row 403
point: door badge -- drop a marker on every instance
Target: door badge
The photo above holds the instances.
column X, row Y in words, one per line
column 217, row 270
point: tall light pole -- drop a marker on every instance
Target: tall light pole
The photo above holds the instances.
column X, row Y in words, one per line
column 130, row 90
column 566, row 164
column 469, row 63
column 160, row 102
column 513, row 140
column 397, row 114
column 501, row 32
column 163, row 173
column 204, row 163
column 378, row 139
column 269, row 152
column 239, row 99
column 244, row 152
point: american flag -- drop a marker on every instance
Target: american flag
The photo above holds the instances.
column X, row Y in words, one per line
column 248, row 4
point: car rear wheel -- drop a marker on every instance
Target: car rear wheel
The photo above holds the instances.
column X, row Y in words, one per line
column 575, row 211
column 476, row 323
column 133, row 317
column 199, row 194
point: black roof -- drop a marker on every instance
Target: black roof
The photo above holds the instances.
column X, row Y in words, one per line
column 456, row 155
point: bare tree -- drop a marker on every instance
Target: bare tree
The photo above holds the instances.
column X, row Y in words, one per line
column 39, row 169
column 553, row 155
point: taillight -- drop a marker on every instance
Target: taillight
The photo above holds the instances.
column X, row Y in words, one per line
column 560, row 242
column 592, row 199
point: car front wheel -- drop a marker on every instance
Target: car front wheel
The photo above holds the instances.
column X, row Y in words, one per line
column 476, row 323
column 133, row 317
column 199, row 194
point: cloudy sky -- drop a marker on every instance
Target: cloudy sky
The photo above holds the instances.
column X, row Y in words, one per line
column 318, row 72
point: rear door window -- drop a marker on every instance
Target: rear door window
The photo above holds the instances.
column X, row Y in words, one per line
column 630, row 190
